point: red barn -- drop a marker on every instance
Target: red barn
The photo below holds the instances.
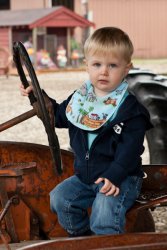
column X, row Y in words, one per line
column 49, row 27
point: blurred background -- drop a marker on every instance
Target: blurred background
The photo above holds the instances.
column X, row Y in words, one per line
column 53, row 31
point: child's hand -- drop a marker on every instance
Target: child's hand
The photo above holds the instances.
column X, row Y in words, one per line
column 108, row 188
column 25, row 92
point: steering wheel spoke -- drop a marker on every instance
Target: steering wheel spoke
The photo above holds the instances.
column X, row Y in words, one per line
column 39, row 101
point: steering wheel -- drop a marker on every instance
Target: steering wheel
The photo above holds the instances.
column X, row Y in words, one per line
column 21, row 58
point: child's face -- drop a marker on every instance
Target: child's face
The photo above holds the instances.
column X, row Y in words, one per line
column 106, row 72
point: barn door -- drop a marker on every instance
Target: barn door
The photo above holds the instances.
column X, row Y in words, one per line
column 50, row 44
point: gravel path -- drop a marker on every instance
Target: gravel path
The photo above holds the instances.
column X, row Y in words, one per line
column 57, row 85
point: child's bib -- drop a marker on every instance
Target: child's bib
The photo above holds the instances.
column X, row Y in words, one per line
column 88, row 111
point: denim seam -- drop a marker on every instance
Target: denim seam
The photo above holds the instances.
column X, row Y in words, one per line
column 118, row 210
column 122, row 200
column 67, row 205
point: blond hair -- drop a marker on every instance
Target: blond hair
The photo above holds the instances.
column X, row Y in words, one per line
column 109, row 39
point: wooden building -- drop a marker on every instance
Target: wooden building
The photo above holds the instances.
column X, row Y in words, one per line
column 49, row 27
column 144, row 20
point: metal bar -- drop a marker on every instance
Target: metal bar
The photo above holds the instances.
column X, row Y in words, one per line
column 4, row 241
column 18, row 119
column 5, row 209
column 3, row 213
column 11, row 172
column 13, row 200
column 8, row 218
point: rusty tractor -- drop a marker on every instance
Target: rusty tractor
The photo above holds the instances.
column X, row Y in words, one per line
column 28, row 172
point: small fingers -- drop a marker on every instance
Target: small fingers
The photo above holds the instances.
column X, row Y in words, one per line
column 99, row 180
column 29, row 89
column 113, row 191
column 25, row 92
column 116, row 192
column 106, row 187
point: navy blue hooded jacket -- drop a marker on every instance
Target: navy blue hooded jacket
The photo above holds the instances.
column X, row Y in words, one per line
column 116, row 151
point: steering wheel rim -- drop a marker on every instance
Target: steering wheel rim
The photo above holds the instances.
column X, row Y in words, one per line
column 20, row 56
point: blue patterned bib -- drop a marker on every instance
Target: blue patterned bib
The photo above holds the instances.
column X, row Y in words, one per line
column 88, row 111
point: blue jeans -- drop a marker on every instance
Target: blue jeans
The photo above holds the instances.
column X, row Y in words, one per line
column 71, row 199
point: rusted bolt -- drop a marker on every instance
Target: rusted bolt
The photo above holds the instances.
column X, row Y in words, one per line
column 15, row 200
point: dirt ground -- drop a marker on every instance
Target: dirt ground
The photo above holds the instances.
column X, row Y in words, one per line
column 57, row 85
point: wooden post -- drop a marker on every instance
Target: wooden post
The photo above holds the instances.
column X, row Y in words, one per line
column 34, row 39
column 68, row 45
column 10, row 40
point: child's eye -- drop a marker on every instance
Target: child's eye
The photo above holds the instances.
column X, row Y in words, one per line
column 96, row 64
column 113, row 65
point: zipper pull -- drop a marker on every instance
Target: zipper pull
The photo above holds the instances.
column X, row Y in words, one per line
column 87, row 156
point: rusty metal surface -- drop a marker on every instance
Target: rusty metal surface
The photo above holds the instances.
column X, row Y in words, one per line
column 156, row 177
column 13, row 200
column 32, row 217
column 32, row 186
column 124, row 241
column 11, row 232
column 153, row 194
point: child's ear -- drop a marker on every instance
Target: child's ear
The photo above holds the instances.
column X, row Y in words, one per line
column 128, row 67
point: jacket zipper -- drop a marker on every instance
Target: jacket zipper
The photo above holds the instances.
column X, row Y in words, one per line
column 87, row 164
column 87, row 156
column 88, row 152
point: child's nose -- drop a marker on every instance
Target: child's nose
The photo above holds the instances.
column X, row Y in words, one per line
column 104, row 70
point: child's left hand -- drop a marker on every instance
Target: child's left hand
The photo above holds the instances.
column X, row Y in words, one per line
column 108, row 188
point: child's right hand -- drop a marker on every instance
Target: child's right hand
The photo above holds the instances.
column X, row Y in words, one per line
column 108, row 188
column 25, row 92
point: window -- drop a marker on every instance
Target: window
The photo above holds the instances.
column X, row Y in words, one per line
column 4, row 4
column 67, row 3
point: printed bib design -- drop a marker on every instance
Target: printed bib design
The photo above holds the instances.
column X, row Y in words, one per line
column 88, row 111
